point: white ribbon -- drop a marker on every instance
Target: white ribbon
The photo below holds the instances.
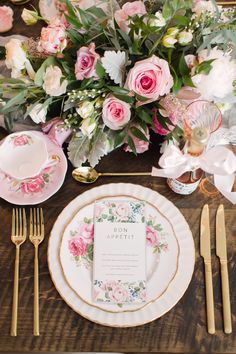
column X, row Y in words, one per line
column 219, row 161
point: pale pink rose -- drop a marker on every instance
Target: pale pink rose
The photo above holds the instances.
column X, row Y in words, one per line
column 86, row 231
column 122, row 210
column 119, row 294
column 6, row 18
column 33, row 185
column 85, row 66
column 129, row 9
column 20, row 140
column 151, row 236
column 77, row 246
column 150, row 78
column 53, row 38
column 108, row 286
column 115, row 113
column 159, row 129
column 140, row 145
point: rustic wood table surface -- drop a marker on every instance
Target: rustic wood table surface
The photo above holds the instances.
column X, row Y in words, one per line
column 181, row 330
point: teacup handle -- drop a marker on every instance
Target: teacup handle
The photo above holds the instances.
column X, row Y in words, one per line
column 52, row 160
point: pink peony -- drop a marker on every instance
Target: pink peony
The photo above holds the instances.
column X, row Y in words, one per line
column 86, row 232
column 6, row 18
column 33, row 185
column 129, row 9
column 115, row 113
column 151, row 236
column 122, row 210
column 53, row 38
column 140, row 145
column 20, row 140
column 119, row 294
column 77, row 246
column 150, row 78
column 85, row 66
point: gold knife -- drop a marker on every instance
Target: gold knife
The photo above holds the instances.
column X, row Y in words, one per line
column 205, row 251
column 221, row 251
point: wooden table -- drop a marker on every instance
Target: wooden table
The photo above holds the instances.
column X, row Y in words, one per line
column 181, row 330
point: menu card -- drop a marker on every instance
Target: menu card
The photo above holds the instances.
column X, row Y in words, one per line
column 119, row 274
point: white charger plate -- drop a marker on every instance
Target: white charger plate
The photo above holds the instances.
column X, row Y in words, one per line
column 155, row 308
column 162, row 251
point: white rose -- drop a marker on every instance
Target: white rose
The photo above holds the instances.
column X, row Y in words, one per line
column 158, row 21
column 16, row 59
column 218, row 84
column 185, row 37
column 52, row 81
column 87, row 127
column 85, row 109
column 29, row 17
column 38, row 113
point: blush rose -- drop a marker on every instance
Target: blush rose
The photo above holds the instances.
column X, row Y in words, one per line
column 85, row 66
column 33, row 185
column 86, row 232
column 53, row 38
column 115, row 113
column 129, row 9
column 6, row 18
column 77, row 246
column 151, row 236
column 20, row 140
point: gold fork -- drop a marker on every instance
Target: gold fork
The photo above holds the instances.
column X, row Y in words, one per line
column 18, row 236
column 36, row 236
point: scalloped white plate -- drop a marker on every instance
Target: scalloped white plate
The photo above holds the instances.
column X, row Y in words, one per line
column 153, row 309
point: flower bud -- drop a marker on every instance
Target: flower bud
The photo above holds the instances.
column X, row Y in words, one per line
column 157, row 21
column 185, row 37
column 173, row 31
column 85, row 109
column 29, row 17
column 168, row 41
column 87, row 127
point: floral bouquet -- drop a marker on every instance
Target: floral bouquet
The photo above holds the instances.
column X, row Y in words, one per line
column 113, row 74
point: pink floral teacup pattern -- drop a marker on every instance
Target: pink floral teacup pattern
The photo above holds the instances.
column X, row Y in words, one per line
column 21, row 140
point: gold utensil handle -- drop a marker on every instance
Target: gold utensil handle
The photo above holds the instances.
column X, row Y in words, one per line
column 226, row 297
column 209, row 299
column 125, row 174
column 15, row 294
column 36, row 293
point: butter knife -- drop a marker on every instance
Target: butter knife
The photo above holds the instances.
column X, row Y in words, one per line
column 205, row 251
column 221, row 251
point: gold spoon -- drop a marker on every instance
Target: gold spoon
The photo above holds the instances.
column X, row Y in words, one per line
column 90, row 175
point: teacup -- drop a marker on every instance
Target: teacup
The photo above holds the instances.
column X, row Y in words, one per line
column 24, row 155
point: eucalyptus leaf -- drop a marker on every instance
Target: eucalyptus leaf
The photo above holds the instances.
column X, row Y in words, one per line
column 78, row 149
column 98, row 147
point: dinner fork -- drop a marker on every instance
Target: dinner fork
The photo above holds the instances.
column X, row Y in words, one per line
column 18, row 236
column 36, row 236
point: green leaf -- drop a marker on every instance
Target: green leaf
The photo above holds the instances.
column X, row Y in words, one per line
column 38, row 79
column 139, row 134
column 180, row 21
column 167, row 11
column 119, row 90
column 188, row 81
column 97, row 11
column 125, row 36
column 125, row 98
column 132, row 145
column 86, row 19
column 183, row 68
column 11, row 81
column 100, row 70
column 74, row 21
column 70, row 8
column 13, row 102
column 205, row 67
column 75, row 36
column 143, row 115
column 86, row 83
column 119, row 138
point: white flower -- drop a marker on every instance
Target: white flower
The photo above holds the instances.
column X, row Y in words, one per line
column 173, row 31
column 16, row 59
column 158, row 21
column 218, row 84
column 87, row 127
column 29, row 17
column 185, row 37
column 168, row 41
column 202, row 6
column 85, row 109
column 38, row 113
column 52, row 81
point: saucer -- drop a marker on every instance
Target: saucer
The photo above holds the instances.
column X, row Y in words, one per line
column 37, row 189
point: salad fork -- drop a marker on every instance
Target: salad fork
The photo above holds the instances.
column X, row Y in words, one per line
column 18, row 236
column 36, row 236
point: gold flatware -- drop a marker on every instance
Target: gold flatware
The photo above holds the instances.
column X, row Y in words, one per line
column 221, row 251
column 36, row 236
column 205, row 251
column 18, row 236
column 90, row 175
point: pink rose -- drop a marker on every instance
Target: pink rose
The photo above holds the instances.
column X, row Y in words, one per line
column 150, row 78
column 119, row 294
column 85, row 66
column 140, row 145
column 33, row 185
column 77, row 246
column 53, row 38
column 115, row 113
column 159, row 129
column 6, row 18
column 86, row 231
column 20, row 140
column 122, row 210
column 129, row 9
column 151, row 236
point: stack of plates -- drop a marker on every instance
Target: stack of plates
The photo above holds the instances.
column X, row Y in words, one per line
column 169, row 252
